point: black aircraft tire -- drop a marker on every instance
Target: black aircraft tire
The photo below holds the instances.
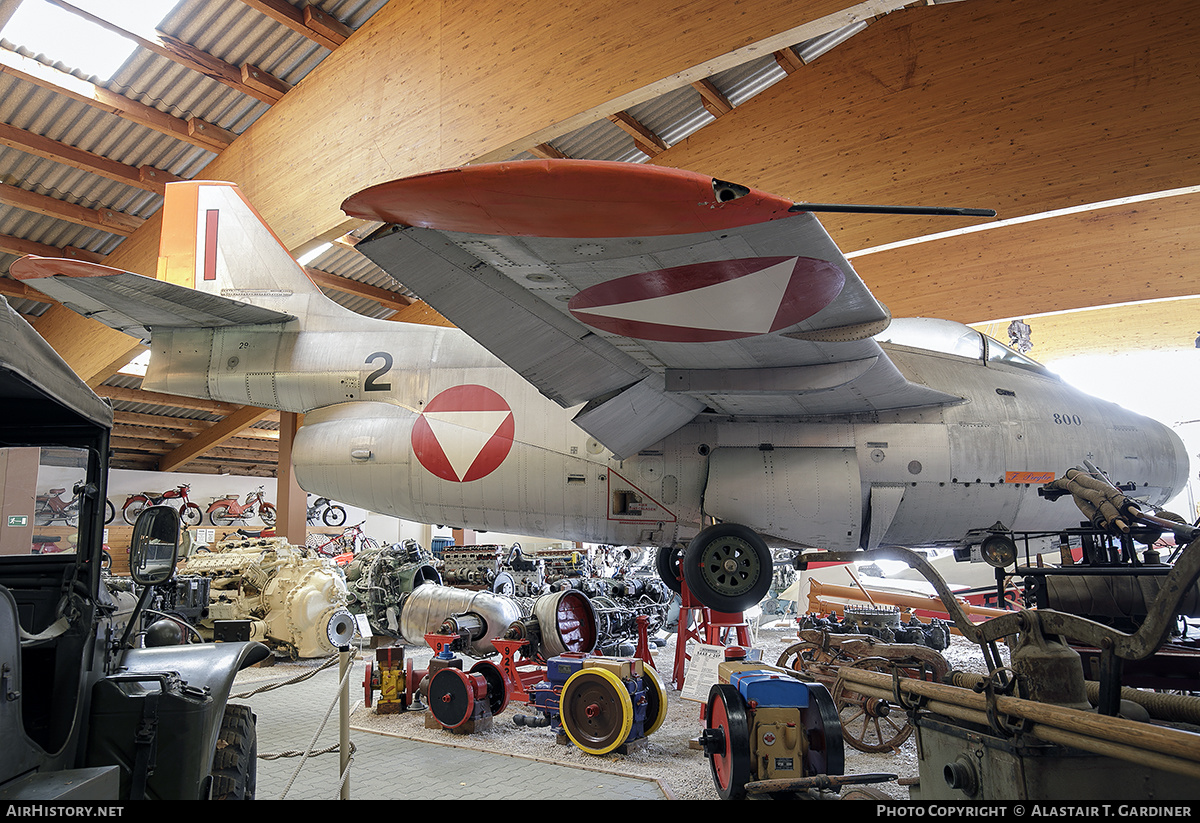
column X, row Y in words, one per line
column 235, row 763
column 728, row 567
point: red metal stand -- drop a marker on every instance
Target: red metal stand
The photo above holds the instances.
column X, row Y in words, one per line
column 712, row 628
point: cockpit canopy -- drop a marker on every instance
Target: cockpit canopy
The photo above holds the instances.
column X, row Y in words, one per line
column 949, row 337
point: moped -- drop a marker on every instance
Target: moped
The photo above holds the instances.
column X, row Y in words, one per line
column 225, row 511
column 50, row 507
column 189, row 512
column 331, row 514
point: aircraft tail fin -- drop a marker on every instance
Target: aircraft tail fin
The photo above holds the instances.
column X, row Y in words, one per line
column 213, row 240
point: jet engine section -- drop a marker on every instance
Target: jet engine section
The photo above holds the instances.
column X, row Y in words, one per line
column 377, row 580
column 360, row 454
column 553, row 623
column 296, row 604
column 619, row 603
column 781, row 492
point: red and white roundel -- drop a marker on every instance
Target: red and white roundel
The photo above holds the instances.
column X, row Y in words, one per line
column 707, row 302
column 464, row 433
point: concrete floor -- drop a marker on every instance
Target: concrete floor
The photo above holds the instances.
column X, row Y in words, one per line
column 389, row 768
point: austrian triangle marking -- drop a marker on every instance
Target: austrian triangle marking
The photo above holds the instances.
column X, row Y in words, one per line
column 464, row 434
column 745, row 305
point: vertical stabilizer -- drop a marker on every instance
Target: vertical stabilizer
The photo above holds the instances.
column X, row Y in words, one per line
column 214, row 241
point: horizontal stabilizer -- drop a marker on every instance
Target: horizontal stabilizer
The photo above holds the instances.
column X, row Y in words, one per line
column 133, row 303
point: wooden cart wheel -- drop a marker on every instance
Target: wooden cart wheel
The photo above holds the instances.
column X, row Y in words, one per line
column 806, row 657
column 870, row 724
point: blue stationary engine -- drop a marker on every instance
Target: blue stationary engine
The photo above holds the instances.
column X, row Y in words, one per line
column 600, row 703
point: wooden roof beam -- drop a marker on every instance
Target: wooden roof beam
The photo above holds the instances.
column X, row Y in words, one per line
column 119, row 393
column 313, row 23
column 22, row 247
column 108, row 220
column 192, row 130
column 647, row 142
column 189, row 57
column 388, row 299
column 788, row 60
column 213, row 437
column 142, row 177
column 711, row 98
column 547, row 152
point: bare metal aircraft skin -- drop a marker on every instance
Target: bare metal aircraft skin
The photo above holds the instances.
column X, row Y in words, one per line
column 639, row 351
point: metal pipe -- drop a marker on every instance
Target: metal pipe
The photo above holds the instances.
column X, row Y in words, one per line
column 1179, row 708
column 910, row 601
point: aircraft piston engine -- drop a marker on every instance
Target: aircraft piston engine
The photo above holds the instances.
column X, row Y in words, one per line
column 296, row 604
column 377, row 581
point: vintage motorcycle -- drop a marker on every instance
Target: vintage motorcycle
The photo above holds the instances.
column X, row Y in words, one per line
column 177, row 497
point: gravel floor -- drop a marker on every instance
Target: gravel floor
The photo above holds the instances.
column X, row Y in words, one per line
column 669, row 755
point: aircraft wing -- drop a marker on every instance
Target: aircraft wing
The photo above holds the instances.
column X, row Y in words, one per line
column 133, row 303
column 646, row 294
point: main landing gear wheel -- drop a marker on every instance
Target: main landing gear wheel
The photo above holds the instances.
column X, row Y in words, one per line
column 726, row 741
column 596, row 710
column 728, row 567
column 869, row 724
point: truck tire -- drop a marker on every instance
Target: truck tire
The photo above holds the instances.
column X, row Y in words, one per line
column 235, row 763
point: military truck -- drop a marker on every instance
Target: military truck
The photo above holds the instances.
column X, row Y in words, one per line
column 87, row 712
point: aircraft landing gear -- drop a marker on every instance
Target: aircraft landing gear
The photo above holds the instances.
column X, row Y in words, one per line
column 728, row 567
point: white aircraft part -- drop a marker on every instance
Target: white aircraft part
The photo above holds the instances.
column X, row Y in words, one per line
column 638, row 417
column 807, row 495
column 885, row 501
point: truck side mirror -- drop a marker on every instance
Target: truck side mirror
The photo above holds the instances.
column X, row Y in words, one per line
column 155, row 546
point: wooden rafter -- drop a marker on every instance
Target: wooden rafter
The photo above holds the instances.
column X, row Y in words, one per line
column 20, row 246
column 313, row 23
column 647, row 142
column 142, row 177
column 192, row 130
column 267, row 89
column 711, row 98
column 109, row 220
column 388, row 299
column 788, row 60
column 216, row 435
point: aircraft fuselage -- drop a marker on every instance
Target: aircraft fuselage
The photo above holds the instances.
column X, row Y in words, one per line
column 422, row 423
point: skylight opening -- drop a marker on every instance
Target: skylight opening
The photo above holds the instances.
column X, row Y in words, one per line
column 81, row 44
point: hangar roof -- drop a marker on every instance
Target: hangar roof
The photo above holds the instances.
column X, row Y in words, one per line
column 85, row 159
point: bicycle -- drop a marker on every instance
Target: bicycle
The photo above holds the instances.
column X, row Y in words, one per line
column 352, row 540
column 324, row 511
column 189, row 512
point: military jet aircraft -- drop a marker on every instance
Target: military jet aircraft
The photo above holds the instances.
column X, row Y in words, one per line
column 643, row 356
